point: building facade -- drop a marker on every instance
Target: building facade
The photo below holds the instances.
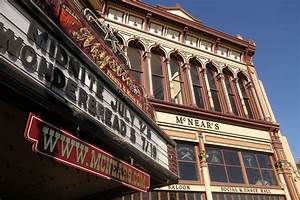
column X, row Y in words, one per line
column 207, row 97
column 74, row 124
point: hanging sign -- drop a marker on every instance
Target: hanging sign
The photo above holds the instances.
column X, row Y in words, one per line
column 40, row 57
column 68, row 149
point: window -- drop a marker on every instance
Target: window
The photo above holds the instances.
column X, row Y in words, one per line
column 224, row 165
column 135, row 53
column 197, row 83
column 228, row 78
column 259, row 169
column 176, row 79
column 211, row 76
column 186, row 161
column 157, row 63
column 242, row 84
column 223, row 196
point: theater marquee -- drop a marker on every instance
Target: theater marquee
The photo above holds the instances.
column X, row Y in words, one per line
column 28, row 48
column 65, row 148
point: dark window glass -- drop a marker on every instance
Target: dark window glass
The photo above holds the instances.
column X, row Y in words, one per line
column 136, row 196
column 154, row 195
column 242, row 83
column 172, row 195
column 158, row 87
column 259, row 169
column 181, row 195
column 264, row 161
column 228, row 196
column 235, row 174
column 156, row 64
column 215, row 196
column 211, row 78
column 186, row 161
column 243, row 197
column 231, row 157
column 176, row 81
column 269, row 177
column 217, row 173
column 190, row 196
column 127, row 197
column 224, row 165
column 187, row 171
column 198, row 96
column 198, row 196
column 135, row 58
column 157, row 76
column 213, row 89
column 230, row 91
column 197, row 86
column 215, row 98
column 163, row 196
column 250, row 160
column 235, row 197
column 145, row 196
column 254, row 176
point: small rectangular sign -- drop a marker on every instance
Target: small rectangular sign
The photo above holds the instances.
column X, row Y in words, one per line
column 65, row 148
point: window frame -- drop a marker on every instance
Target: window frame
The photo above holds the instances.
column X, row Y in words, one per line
column 141, row 52
column 210, row 68
column 228, row 76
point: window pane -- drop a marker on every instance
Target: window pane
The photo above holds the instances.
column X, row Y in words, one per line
column 211, row 79
column 235, row 174
column 242, row 88
column 163, row 196
column 227, row 83
column 158, row 87
column 228, row 196
column 190, row 196
column 198, row 96
column 264, row 161
column 185, row 152
column 187, row 171
column 269, row 177
column 154, row 195
column 145, row 196
column 128, row 197
column 235, row 197
column 176, row 92
column 215, row 196
column 247, row 104
column 137, row 76
column 194, row 75
column 175, row 69
column 136, row 196
column 181, row 195
column 217, row 173
column 156, row 65
column 231, row 157
column 135, row 58
column 233, row 105
column 198, row 196
column 254, row 176
column 214, row 156
column 215, row 98
column 172, row 196
column 249, row 159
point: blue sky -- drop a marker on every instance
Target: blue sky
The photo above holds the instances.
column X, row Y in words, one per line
column 274, row 25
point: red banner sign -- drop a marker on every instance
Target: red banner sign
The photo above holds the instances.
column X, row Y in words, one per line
column 67, row 149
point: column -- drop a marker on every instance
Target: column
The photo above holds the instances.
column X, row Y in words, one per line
column 204, row 167
column 148, row 74
column 282, row 166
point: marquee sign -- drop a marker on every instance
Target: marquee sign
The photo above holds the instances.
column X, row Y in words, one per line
column 40, row 57
column 67, row 149
column 89, row 34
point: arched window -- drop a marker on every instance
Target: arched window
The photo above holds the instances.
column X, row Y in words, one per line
column 158, row 73
column 242, row 81
column 228, row 78
column 211, row 76
column 176, row 79
column 135, row 52
column 197, row 83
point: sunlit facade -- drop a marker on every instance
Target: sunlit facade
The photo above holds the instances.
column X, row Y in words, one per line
column 207, row 97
